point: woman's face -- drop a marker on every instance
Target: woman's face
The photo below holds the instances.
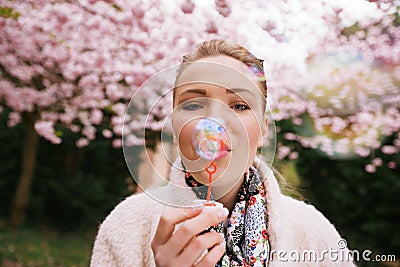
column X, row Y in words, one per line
column 224, row 90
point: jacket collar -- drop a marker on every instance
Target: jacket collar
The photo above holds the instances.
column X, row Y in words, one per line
column 177, row 177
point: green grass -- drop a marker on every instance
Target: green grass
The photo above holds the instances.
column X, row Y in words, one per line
column 33, row 247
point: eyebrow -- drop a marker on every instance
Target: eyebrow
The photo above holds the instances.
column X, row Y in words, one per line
column 238, row 90
column 195, row 91
column 228, row 91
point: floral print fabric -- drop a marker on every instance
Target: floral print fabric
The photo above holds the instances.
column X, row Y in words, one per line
column 246, row 233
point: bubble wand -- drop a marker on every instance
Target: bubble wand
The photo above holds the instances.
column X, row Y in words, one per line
column 211, row 169
column 208, row 140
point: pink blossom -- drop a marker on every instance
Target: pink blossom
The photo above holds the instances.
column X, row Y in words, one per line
column 389, row 150
column 377, row 162
column 117, row 121
column 283, row 151
column 119, row 108
column 132, row 140
column 82, row 142
column 89, row 132
column 342, row 146
column 96, row 116
column 14, row 118
column 117, row 143
column 297, row 121
column 326, row 145
column 114, row 92
column 392, row 165
column 75, row 128
column 223, row 7
column 294, row 155
column 347, row 85
column 138, row 12
column 117, row 129
column 107, row 133
column 187, row 6
column 49, row 116
column 46, row 129
column 68, row 116
column 362, row 151
column 83, row 116
column 370, row 168
column 396, row 142
column 130, row 79
column 290, row 136
column 338, row 124
column 211, row 27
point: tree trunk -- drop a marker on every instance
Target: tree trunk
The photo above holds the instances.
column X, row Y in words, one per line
column 20, row 202
column 69, row 162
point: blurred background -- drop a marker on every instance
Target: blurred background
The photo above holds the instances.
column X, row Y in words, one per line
column 69, row 68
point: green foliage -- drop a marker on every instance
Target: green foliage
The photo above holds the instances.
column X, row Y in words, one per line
column 117, row 7
column 7, row 12
column 28, row 247
column 72, row 188
column 76, row 188
column 11, row 140
column 351, row 30
column 364, row 207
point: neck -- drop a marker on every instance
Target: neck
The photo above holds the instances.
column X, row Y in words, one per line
column 229, row 199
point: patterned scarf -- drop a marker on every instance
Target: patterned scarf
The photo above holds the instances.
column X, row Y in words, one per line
column 246, row 233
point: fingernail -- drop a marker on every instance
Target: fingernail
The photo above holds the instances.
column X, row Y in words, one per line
column 222, row 213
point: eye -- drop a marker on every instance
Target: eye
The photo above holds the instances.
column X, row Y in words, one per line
column 192, row 106
column 240, row 106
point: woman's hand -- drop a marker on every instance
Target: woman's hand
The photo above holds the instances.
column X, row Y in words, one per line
column 185, row 246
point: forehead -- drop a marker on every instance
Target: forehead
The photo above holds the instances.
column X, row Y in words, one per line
column 223, row 71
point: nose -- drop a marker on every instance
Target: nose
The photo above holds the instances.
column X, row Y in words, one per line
column 217, row 110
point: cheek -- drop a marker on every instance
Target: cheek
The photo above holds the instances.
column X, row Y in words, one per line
column 252, row 133
column 184, row 135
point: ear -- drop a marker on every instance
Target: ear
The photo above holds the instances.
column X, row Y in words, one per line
column 264, row 132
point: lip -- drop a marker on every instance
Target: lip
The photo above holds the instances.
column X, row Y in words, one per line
column 206, row 153
column 223, row 153
column 227, row 148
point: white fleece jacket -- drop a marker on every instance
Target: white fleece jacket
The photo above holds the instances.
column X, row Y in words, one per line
column 297, row 231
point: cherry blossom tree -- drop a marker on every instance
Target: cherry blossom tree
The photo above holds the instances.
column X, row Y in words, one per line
column 350, row 91
column 73, row 66
column 332, row 70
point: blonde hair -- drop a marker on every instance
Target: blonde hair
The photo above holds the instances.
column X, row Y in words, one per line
column 218, row 47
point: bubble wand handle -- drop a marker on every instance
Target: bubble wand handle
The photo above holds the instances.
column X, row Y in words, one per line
column 211, row 169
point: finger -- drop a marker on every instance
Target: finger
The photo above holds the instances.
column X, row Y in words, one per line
column 196, row 225
column 168, row 220
column 199, row 244
column 213, row 256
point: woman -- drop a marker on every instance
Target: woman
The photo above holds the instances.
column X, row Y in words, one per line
column 220, row 85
